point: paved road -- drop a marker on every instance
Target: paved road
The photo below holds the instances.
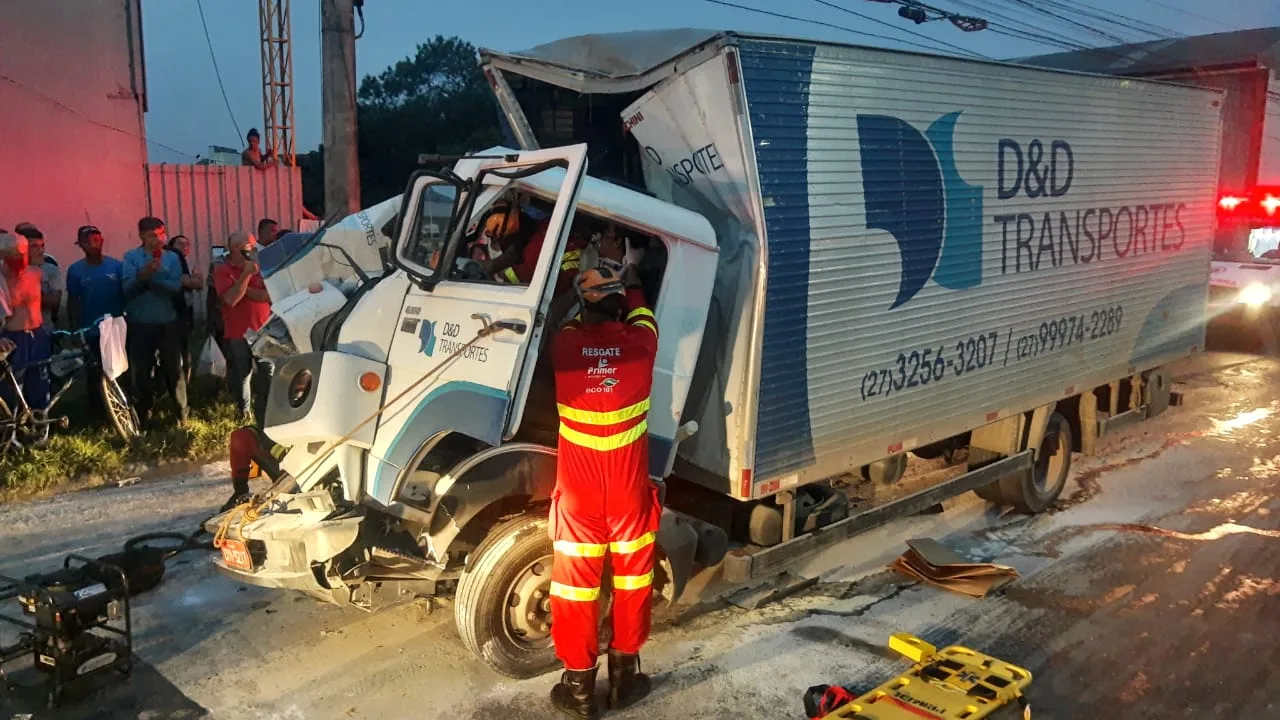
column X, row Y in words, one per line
column 1152, row 593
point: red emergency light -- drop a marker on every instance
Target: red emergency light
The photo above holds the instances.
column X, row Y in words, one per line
column 1231, row 202
column 1259, row 203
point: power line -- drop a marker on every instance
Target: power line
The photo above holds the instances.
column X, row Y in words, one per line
column 825, row 24
column 67, row 108
column 1008, row 26
column 216, row 73
column 1189, row 13
column 1062, row 18
column 1094, row 14
column 908, row 31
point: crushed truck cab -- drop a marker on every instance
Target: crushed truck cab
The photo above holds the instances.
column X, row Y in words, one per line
column 424, row 415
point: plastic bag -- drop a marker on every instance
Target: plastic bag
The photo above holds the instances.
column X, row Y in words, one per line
column 112, row 333
column 212, row 362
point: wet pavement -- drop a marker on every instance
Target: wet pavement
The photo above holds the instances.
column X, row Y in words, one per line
column 1152, row 592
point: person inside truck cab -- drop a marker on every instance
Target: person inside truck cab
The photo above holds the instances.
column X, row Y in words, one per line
column 519, row 238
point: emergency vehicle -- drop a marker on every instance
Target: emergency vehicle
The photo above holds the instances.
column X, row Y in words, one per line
column 852, row 254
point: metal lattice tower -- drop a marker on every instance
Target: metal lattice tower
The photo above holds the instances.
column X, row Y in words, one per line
column 277, row 78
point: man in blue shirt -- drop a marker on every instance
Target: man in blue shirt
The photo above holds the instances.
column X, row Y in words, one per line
column 93, row 290
column 93, row 284
column 151, row 278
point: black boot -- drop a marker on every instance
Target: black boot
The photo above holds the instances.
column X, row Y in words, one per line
column 627, row 684
column 575, row 694
column 239, row 493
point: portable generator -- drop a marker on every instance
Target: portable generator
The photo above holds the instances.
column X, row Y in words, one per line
column 73, row 623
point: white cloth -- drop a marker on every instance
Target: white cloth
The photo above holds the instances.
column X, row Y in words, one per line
column 6, row 309
column 111, row 337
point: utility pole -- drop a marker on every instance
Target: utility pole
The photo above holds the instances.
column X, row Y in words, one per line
column 338, row 99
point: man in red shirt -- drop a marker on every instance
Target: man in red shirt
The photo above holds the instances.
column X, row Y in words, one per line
column 245, row 306
column 603, row 502
column 24, row 325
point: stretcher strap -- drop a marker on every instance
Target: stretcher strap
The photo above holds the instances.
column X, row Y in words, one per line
column 575, row 594
column 632, row 582
column 604, row 443
column 611, row 417
column 626, row 547
column 577, row 549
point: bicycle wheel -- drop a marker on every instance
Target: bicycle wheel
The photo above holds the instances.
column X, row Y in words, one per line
column 8, row 428
column 123, row 417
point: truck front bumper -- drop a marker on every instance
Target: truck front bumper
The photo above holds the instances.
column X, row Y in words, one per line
column 289, row 545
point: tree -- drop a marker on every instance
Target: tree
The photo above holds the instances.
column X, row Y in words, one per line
column 434, row 101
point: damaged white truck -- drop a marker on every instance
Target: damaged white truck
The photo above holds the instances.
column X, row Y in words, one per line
column 852, row 254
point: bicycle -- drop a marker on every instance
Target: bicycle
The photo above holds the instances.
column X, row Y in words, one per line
column 76, row 353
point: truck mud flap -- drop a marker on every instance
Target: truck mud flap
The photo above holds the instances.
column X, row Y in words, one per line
column 747, row 567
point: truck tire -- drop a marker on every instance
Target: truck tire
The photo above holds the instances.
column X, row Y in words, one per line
column 1037, row 491
column 503, row 607
column 1157, row 392
column 512, row 565
column 886, row 471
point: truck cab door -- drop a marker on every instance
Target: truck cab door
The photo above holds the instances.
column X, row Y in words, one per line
column 465, row 343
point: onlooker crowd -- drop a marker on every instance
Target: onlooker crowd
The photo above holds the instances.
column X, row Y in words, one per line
column 153, row 286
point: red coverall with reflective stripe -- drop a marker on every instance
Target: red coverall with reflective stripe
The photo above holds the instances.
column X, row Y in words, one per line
column 603, row 500
column 522, row 272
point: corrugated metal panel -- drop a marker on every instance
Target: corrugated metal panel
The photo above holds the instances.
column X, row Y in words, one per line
column 1269, row 156
column 209, row 202
column 893, row 237
column 776, row 80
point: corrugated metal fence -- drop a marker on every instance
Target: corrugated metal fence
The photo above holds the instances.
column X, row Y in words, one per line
column 209, row 202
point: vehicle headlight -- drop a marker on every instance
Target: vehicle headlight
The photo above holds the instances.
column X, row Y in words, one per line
column 1255, row 295
column 300, row 388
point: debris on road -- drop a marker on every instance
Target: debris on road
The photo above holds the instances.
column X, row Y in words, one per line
column 956, row 682
column 934, row 563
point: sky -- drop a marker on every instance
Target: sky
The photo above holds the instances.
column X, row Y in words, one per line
column 187, row 111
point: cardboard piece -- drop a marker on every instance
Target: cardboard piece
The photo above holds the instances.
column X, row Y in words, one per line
column 928, row 560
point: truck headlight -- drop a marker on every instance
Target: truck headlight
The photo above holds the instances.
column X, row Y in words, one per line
column 1255, row 295
column 300, row 388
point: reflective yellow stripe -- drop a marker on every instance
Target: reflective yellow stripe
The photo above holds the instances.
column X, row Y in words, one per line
column 575, row 549
column 647, row 324
column 632, row 582
column 639, row 312
column 569, row 265
column 511, row 276
column 606, row 442
column 630, row 546
column 613, row 417
column 578, row 594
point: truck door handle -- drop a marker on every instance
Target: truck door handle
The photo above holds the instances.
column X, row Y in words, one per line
column 518, row 327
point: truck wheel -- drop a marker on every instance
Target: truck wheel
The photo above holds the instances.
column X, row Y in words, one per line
column 1157, row 392
column 886, row 471
column 1035, row 492
column 503, row 604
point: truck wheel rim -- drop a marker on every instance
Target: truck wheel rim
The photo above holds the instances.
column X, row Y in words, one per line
column 529, row 605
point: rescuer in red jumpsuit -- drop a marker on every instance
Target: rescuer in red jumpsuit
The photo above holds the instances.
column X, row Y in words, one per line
column 603, row 503
column 520, row 239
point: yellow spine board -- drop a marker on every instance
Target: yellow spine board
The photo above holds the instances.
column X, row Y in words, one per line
column 955, row 683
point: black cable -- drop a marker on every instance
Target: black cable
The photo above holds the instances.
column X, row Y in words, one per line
column 1062, row 18
column 901, row 29
column 1132, row 25
column 1008, row 26
column 90, row 120
column 217, row 73
column 821, row 23
column 1189, row 13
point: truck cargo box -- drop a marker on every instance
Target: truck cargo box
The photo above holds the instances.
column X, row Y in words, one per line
column 912, row 246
